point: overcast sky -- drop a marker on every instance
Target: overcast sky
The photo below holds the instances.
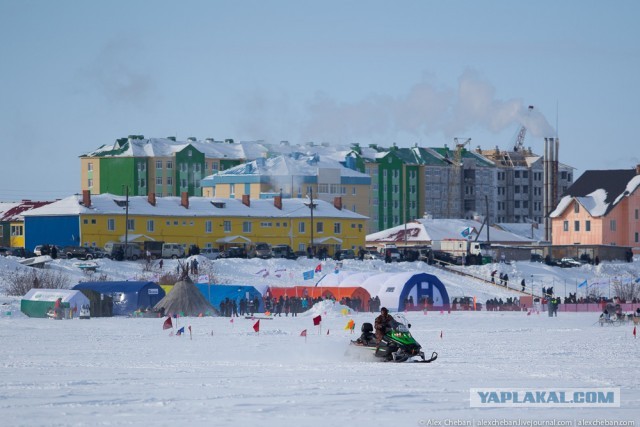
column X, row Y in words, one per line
column 78, row 74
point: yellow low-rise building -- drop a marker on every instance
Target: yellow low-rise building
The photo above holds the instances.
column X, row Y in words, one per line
column 206, row 222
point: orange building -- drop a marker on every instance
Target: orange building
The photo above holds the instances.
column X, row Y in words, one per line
column 601, row 208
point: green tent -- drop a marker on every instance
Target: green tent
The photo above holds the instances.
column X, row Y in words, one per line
column 37, row 302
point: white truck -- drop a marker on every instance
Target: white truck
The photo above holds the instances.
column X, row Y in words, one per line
column 458, row 251
column 457, row 247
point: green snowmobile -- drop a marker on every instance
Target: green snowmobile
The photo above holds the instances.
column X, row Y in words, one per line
column 397, row 345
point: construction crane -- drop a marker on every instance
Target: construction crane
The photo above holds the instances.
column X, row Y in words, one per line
column 455, row 179
column 522, row 133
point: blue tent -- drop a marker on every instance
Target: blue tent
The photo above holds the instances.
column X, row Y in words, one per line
column 217, row 293
column 127, row 296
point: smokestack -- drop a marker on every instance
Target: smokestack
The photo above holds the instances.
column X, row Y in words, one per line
column 152, row 199
column 337, row 203
column 86, row 198
column 277, row 202
column 184, row 201
column 246, row 200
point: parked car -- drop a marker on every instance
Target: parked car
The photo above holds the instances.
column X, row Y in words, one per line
column 345, row 254
column 22, row 253
column 115, row 250
column 372, row 255
column 260, row 250
column 569, row 262
column 81, row 252
column 210, row 253
column 5, row 251
column 235, row 252
column 283, row 251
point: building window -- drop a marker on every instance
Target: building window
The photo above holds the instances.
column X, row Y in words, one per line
column 169, row 180
column 158, row 180
column 636, row 213
column 266, row 224
column 587, row 225
column 576, row 225
column 319, row 227
column 90, row 183
column 246, row 227
column 636, row 237
column 131, row 225
column 16, row 230
column 169, row 164
column 208, row 227
column 150, row 226
column 612, row 225
column 227, row 226
column 337, row 228
column 158, row 164
column 183, row 183
column 90, row 167
column 565, row 226
column 111, row 224
column 301, row 227
column 576, row 207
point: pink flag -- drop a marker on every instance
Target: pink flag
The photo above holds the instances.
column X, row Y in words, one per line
column 256, row 326
column 303, row 333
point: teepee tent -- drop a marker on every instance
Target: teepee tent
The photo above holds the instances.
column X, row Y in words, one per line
column 186, row 300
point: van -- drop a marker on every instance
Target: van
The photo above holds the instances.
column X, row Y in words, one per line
column 210, row 253
column 172, row 250
column 283, row 251
column 116, row 250
column 260, row 250
column 393, row 249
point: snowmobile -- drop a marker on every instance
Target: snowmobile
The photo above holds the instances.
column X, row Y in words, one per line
column 397, row 345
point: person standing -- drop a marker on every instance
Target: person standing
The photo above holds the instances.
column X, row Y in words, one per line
column 523, row 284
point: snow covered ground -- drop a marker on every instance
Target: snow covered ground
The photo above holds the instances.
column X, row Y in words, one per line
column 129, row 371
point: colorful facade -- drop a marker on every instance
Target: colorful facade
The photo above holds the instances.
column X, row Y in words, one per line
column 207, row 222
column 601, row 208
column 162, row 166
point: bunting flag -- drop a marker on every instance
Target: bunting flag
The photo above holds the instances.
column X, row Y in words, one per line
column 350, row 325
column 256, row 326
column 467, row 232
column 303, row 333
column 318, row 268
column 582, row 284
column 278, row 272
column 317, row 320
column 167, row 324
column 307, row 275
column 180, row 331
column 261, row 271
column 203, row 278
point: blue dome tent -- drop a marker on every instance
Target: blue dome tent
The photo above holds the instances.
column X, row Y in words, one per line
column 217, row 293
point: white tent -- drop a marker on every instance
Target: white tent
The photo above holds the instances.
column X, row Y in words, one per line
column 37, row 302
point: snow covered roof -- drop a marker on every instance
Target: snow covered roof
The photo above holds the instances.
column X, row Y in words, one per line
column 10, row 212
column 427, row 230
column 295, row 164
column 599, row 191
column 521, row 229
column 164, row 147
column 109, row 204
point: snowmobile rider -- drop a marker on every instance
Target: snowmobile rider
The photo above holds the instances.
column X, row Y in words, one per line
column 382, row 323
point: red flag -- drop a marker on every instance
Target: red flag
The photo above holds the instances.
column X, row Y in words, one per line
column 317, row 320
column 634, row 331
column 256, row 326
column 167, row 324
column 318, row 268
column 303, row 333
